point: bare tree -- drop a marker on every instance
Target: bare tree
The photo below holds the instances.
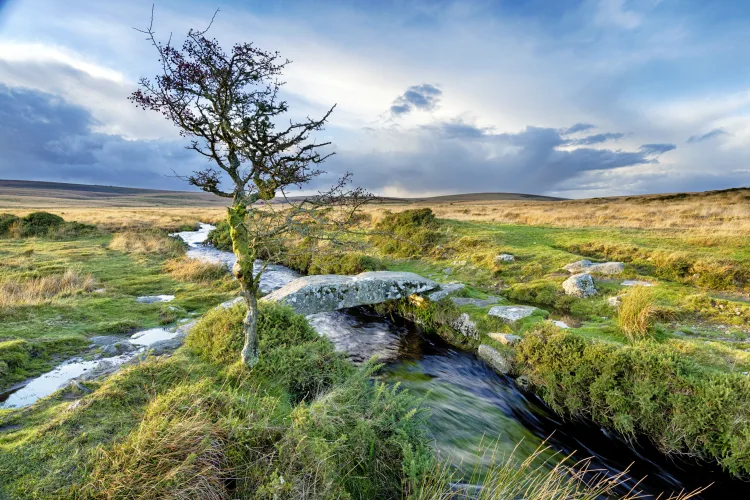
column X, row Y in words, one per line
column 228, row 104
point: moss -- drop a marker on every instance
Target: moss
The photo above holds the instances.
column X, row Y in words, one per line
column 647, row 389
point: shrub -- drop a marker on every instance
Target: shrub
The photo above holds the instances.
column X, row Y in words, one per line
column 7, row 221
column 220, row 237
column 40, row 223
column 187, row 269
column 645, row 389
column 407, row 233
column 635, row 313
column 147, row 243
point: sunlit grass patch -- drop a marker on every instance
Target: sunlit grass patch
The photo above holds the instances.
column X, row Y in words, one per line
column 194, row 270
column 34, row 291
column 635, row 313
column 147, row 243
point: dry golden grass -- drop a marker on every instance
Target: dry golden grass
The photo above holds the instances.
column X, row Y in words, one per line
column 186, row 269
column 635, row 313
column 146, row 243
column 43, row 289
column 705, row 214
column 133, row 219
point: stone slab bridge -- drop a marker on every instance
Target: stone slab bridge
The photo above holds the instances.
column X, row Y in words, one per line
column 330, row 292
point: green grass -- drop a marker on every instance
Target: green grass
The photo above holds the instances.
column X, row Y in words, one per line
column 648, row 388
column 112, row 309
column 181, row 426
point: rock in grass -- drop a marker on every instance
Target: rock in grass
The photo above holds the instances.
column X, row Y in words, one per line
column 499, row 362
column 466, row 301
column 314, row 294
column 104, row 340
column 465, row 326
column 605, row 268
column 580, row 285
column 636, row 283
column 614, row 301
column 511, row 314
column 577, row 267
column 504, row 338
column 504, row 258
column 559, row 324
column 445, row 290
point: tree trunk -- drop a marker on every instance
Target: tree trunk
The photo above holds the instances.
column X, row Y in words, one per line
column 250, row 329
column 243, row 271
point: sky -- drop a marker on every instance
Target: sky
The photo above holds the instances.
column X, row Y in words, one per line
column 570, row 98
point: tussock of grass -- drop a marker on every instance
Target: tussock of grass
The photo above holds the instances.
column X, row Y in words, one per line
column 194, row 270
column 635, row 313
column 40, row 290
column 147, row 243
column 646, row 389
column 534, row 477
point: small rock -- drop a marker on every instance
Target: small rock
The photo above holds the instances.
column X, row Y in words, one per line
column 504, row 257
column 447, row 271
column 614, row 301
column 464, row 301
column 504, row 338
column 607, row 268
column 465, row 326
column 511, row 314
column 102, row 340
column 559, row 324
column 524, row 382
column 164, row 346
column 445, row 290
column 110, row 350
column 150, row 299
column 497, row 361
column 579, row 285
column 577, row 267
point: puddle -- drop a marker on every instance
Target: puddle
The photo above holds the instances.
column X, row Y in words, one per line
column 150, row 299
column 148, row 337
column 46, row 384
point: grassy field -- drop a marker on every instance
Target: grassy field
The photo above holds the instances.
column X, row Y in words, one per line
column 670, row 363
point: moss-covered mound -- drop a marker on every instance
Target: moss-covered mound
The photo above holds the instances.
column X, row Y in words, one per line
column 647, row 388
column 407, row 234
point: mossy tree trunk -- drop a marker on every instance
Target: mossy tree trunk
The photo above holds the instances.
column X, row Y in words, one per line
column 244, row 272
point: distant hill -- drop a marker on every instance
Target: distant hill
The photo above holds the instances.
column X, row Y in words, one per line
column 38, row 194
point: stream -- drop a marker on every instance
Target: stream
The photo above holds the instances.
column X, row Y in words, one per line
column 470, row 405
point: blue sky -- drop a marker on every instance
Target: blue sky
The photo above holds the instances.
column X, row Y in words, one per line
column 569, row 98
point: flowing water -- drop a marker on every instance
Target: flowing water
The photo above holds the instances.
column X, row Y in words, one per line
column 470, row 405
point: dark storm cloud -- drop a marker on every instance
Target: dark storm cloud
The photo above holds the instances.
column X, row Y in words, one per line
column 708, row 135
column 424, row 97
column 458, row 157
column 44, row 138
